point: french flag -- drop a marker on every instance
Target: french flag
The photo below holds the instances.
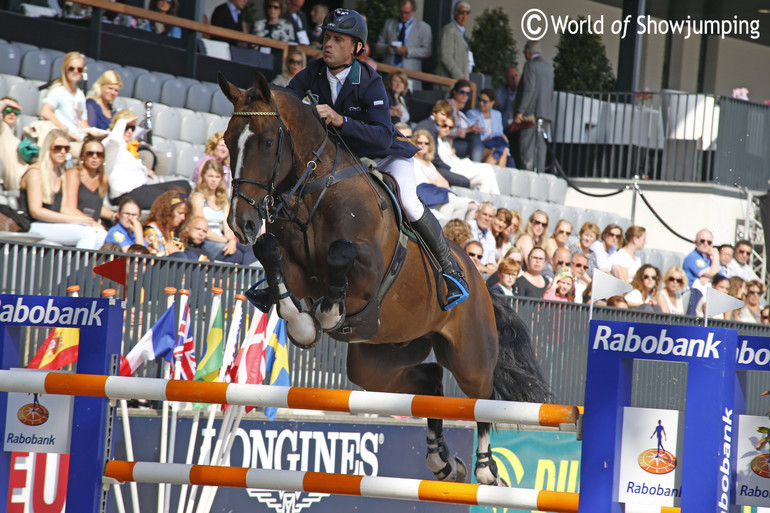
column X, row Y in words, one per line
column 158, row 341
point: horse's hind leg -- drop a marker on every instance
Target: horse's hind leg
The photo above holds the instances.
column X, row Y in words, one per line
column 303, row 330
column 486, row 467
column 329, row 311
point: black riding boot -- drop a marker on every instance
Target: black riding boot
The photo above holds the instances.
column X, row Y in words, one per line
column 428, row 228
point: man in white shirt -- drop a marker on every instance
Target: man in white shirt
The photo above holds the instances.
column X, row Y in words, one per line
column 482, row 232
column 740, row 265
column 578, row 265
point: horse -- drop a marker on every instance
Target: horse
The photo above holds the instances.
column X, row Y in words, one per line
column 333, row 241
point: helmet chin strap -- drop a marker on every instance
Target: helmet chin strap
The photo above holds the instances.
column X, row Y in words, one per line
column 335, row 68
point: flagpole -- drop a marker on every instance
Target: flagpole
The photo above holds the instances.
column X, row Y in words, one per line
column 175, row 404
column 224, row 429
column 205, row 453
column 170, row 292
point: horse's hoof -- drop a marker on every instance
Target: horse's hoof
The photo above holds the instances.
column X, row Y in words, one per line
column 461, row 472
column 317, row 314
column 304, row 339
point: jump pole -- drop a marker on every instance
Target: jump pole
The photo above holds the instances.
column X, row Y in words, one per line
column 351, row 401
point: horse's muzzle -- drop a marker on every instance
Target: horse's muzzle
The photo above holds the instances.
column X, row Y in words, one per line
column 246, row 226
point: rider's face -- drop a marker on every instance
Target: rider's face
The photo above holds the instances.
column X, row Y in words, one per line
column 338, row 49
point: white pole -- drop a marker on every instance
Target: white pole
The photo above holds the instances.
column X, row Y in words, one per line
column 170, row 292
column 189, row 458
column 175, row 404
column 129, row 450
column 239, row 411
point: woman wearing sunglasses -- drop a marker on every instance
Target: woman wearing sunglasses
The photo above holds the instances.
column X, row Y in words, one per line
column 12, row 164
column 43, row 195
column 294, row 63
column 466, row 134
column 274, row 26
column 645, row 283
column 535, row 233
column 86, row 184
column 65, row 104
column 670, row 298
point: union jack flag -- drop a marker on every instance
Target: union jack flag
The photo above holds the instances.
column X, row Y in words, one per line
column 184, row 349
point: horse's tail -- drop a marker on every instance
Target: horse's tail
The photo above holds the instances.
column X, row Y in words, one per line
column 517, row 376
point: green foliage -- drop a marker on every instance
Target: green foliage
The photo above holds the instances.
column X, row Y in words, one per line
column 377, row 12
column 581, row 64
column 492, row 44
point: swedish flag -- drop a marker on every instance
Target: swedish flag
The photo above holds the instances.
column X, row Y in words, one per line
column 277, row 362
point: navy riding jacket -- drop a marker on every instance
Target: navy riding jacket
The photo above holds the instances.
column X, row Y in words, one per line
column 367, row 128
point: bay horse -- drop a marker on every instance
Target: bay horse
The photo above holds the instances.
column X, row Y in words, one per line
column 333, row 240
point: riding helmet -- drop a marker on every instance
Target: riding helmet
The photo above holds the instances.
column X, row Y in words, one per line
column 347, row 21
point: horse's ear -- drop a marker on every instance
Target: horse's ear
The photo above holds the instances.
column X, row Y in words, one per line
column 262, row 87
column 230, row 91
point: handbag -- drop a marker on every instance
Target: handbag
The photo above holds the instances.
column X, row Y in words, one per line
column 12, row 220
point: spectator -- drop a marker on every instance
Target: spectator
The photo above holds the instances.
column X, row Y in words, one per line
column 127, row 231
column 492, row 137
column 502, row 220
column 86, row 184
column 482, row 232
column 474, row 250
column 645, row 282
column 215, row 149
column 163, row 235
column 579, row 267
column 111, row 246
column 229, row 15
column 99, row 101
column 482, row 176
column 125, row 171
column 561, row 258
column 515, row 255
column 406, row 130
column 65, row 103
column 507, row 272
column 738, row 291
column 294, row 14
column 317, row 15
column 274, row 26
column 466, row 138
column 197, row 229
column 512, row 230
column 752, row 311
column 703, row 261
column 455, row 59
column 726, row 252
column 562, row 288
column 589, row 233
column 741, row 264
column 170, row 7
column 624, row 262
column 397, row 87
column 441, row 111
column 561, row 235
column 531, row 283
column 506, row 96
column 294, row 63
column 535, row 233
column 606, row 247
column 43, row 194
column 209, row 200
column 766, row 315
column 670, row 298
column 458, row 231
column 405, row 41
column 617, row 302
column 718, row 283
column 432, row 188
column 12, row 164
column 534, row 101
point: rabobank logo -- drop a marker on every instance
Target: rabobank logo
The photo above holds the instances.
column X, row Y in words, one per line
column 49, row 314
column 33, row 414
column 656, row 343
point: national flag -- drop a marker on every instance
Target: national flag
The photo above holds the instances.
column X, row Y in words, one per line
column 208, row 369
column 277, row 362
column 158, row 341
column 184, row 350
column 59, row 349
column 249, row 366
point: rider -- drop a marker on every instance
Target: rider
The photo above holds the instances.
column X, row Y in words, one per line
column 352, row 97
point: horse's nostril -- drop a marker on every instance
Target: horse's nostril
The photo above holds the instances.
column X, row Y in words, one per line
column 249, row 228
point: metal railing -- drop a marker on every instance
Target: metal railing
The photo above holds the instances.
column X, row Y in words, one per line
column 667, row 135
column 559, row 331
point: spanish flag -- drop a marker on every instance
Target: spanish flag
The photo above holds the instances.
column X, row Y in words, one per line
column 58, row 350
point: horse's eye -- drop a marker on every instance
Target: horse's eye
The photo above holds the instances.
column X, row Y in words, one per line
column 269, row 143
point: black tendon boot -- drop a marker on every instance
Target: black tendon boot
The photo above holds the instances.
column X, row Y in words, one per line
column 428, row 228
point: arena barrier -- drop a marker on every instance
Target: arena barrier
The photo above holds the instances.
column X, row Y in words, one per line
column 448, row 408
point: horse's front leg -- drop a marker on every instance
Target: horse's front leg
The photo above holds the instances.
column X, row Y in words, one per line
column 302, row 329
column 329, row 311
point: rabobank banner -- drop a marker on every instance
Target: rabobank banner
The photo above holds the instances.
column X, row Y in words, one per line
column 51, row 311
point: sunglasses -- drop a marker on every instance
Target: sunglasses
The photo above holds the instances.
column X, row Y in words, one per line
column 753, row 292
column 744, row 252
column 649, row 277
column 446, row 125
column 11, row 110
column 421, row 143
column 76, row 70
column 704, row 241
column 680, row 281
column 463, row 12
column 475, row 255
column 579, row 266
column 560, row 263
column 130, row 127
column 464, row 92
column 274, row 7
column 616, row 235
column 564, row 232
column 539, row 223
column 60, row 147
column 482, row 100
column 293, row 61
column 99, row 154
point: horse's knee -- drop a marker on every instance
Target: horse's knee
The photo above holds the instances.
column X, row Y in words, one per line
column 267, row 249
column 342, row 254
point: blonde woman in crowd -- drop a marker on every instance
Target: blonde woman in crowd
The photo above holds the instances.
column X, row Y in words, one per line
column 215, row 149
column 86, row 184
column 607, row 246
column 561, row 234
column 645, row 283
column 100, row 98
column 65, row 103
column 625, row 262
column 503, row 219
column 589, row 233
column 670, row 297
column 295, row 62
column 12, row 164
column 535, row 233
column 737, row 290
column 209, row 200
column 43, row 194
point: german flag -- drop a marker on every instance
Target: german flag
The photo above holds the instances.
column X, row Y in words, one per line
column 58, row 350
